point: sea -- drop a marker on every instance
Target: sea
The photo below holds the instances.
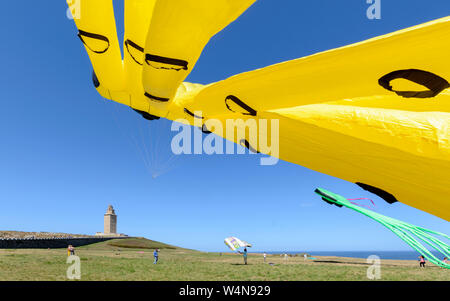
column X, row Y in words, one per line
column 399, row 255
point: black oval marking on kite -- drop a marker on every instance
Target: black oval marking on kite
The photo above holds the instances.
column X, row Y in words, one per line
column 245, row 143
column 379, row 192
column 82, row 33
column 146, row 115
column 205, row 130
column 166, row 60
column 240, row 103
column 433, row 82
column 135, row 46
column 192, row 114
column 95, row 80
column 156, row 98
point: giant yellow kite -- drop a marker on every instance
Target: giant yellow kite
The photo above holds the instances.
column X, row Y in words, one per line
column 376, row 113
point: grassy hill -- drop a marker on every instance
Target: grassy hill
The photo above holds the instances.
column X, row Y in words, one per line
column 136, row 243
column 129, row 243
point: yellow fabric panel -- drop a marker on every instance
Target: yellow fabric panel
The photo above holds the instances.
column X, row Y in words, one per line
column 425, row 134
column 344, row 73
column 413, row 178
column 138, row 15
column 186, row 92
column 97, row 17
column 439, row 103
column 179, row 30
column 418, row 181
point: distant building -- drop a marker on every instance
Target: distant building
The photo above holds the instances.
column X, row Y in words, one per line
column 110, row 223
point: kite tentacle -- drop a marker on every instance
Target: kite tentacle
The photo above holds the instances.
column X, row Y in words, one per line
column 409, row 233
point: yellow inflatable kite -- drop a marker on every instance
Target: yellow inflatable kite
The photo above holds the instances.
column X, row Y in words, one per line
column 376, row 113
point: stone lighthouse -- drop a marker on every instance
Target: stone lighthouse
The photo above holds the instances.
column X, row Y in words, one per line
column 110, row 221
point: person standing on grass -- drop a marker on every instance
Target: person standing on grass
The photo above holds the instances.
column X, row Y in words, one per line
column 155, row 255
column 70, row 250
column 265, row 255
column 245, row 255
column 422, row 261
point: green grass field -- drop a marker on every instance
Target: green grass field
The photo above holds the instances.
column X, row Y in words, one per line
column 132, row 259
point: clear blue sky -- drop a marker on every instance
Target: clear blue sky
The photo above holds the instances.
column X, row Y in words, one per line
column 65, row 153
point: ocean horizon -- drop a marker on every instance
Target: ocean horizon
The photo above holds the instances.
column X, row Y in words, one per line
column 399, row 255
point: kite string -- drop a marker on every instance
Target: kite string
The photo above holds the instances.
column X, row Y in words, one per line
column 357, row 199
column 127, row 134
column 148, row 151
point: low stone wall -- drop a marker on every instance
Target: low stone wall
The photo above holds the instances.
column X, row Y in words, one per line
column 52, row 243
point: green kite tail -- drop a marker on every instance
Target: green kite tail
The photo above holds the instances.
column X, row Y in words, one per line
column 410, row 234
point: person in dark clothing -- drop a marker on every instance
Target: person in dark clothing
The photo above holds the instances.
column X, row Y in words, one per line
column 245, row 255
column 155, row 255
column 421, row 261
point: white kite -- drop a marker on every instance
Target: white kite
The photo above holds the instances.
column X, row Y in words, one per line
column 235, row 243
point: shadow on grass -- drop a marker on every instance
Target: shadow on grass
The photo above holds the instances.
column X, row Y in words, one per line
column 366, row 264
column 342, row 262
